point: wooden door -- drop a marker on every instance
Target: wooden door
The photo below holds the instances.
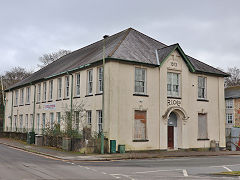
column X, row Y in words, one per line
column 170, row 137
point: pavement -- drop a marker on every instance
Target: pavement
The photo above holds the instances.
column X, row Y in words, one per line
column 76, row 156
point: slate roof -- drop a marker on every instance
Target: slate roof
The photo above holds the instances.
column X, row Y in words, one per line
column 129, row 45
column 232, row 92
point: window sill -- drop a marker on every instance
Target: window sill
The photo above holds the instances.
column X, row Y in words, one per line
column 27, row 104
column 38, row 102
column 75, row 97
column 21, row 105
column 98, row 94
column 44, row 102
column 65, row 98
column 15, row 106
column 89, row 95
column 143, row 95
column 141, row 140
column 204, row 100
column 50, row 101
column 203, row 139
column 170, row 97
column 58, row 99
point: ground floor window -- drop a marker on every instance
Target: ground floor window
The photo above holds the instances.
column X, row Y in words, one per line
column 31, row 121
column 43, row 121
column 51, row 120
column 100, row 121
column 229, row 118
column 58, row 117
column 140, row 120
column 76, row 114
column 202, row 126
column 89, row 117
column 15, row 123
column 26, row 122
column 21, row 122
column 38, row 122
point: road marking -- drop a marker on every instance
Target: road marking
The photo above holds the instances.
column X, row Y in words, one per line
column 227, row 168
column 124, row 175
column 104, row 173
column 185, row 172
column 145, row 172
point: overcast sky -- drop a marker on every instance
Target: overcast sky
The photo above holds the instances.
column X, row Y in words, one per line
column 208, row 30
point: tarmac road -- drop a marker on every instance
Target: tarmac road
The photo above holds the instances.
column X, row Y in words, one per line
column 17, row 164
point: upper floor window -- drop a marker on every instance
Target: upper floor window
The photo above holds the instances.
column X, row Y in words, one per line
column 173, row 85
column 202, row 87
column 229, row 103
column 44, row 91
column 28, row 95
column 21, row 96
column 67, row 86
column 39, row 93
column 51, row 90
column 100, row 80
column 78, row 84
column 229, row 118
column 89, row 81
column 16, row 98
column 59, row 91
column 140, row 80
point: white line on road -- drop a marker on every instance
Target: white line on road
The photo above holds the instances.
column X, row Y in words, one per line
column 104, row 173
column 227, row 168
column 185, row 172
column 145, row 172
column 124, row 175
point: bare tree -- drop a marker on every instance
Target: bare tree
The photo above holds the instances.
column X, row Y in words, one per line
column 234, row 79
column 15, row 75
column 48, row 58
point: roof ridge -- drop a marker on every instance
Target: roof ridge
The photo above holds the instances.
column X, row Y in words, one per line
column 168, row 46
column 119, row 44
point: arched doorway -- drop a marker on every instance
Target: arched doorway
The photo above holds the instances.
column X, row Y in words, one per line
column 172, row 131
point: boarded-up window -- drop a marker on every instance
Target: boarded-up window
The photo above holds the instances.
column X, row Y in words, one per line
column 202, row 126
column 140, row 125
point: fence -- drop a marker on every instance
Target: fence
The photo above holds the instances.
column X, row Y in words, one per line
column 233, row 139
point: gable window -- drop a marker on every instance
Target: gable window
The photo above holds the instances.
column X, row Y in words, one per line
column 21, row 96
column 140, row 80
column 89, row 81
column 140, row 120
column 229, row 118
column 202, row 93
column 16, row 98
column 67, row 86
column 100, row 80
column 44, row 91
column 51, row 90
column 28, row 94
column 77, row 84
column 173, row 85
column 202, row 126
column 89, row 117
column 59, row 91
column 100, row 121
column 229, row 103
column 39, row 93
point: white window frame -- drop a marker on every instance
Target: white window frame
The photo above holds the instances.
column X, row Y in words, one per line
column 28, row 95
column 173, row 86
column 202, row 87
column 39, row 92
column 90, row 82
column 89, row 117
column 228, row 115
column 229, row 103
column 43, row 121
column 78, row 80
column 22, row 96
column 140, row 83
column 67, row 86
column 100, row 80
column 59, row 90
column 50, row 90
column 44, row 91
column 99, row 121
column 16, row 97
